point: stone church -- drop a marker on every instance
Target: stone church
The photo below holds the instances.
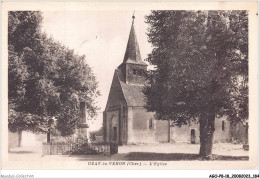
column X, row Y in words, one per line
column 126, row 121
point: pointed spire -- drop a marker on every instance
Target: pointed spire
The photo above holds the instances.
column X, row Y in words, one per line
column 133, row 17
column 132, row 53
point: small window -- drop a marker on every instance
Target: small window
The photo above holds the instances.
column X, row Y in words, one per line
column 151, row 124
column 134, row 71
column 223, row 126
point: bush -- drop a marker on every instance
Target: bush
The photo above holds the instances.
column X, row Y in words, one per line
column 96, row 133
column 62, row 140
column 82, row 147
column 92, row 137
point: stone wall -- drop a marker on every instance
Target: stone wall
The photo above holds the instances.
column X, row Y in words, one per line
column 162, row 133
column 219, row 134
column 115, row 106
column 26, row 139
column 238, row 132
column 139, row 129
column 13, row 139
column 183, row 133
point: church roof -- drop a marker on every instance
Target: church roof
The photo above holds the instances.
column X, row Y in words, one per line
column 132, row 53
column 133, row 93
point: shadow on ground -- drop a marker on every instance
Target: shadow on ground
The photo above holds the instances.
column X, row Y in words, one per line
column 148, row 156
column 177, row 156
column 100, row 157
column 20, row 152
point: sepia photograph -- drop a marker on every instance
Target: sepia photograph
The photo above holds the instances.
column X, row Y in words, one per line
column 138, row 87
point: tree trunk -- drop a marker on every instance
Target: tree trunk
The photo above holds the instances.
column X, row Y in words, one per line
column 19, row 138
column 207, row 128
column 49, row 136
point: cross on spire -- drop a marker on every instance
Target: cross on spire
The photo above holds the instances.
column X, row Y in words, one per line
column 133, row 17
column 132, row 53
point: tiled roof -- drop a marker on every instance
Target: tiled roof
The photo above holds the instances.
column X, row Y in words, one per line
column 134, row 95
column 136, row 62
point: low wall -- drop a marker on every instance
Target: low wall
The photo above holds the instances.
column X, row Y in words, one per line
column 65, row 149
column 13, row 139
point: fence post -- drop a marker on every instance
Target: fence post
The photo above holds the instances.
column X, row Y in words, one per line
column 246, row 145
column 113, row 148
column 50, row 149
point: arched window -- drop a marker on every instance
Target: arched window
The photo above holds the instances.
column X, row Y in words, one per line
column 223, row 126
column 193, row 136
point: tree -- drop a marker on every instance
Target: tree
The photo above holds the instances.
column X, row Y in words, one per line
column 23, row 36
column 201, row 68
column 46, row 80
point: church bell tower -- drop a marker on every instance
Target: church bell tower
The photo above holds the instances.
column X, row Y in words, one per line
column 133, row 68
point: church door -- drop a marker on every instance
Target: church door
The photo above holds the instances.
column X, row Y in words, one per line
column 114, row 129
column 114, row 134
column 193, row 136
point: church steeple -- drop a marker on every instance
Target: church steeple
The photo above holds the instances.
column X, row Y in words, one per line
column 132, row 53
column 133, row 69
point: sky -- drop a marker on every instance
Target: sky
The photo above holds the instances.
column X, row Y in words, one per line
column 102, row 37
